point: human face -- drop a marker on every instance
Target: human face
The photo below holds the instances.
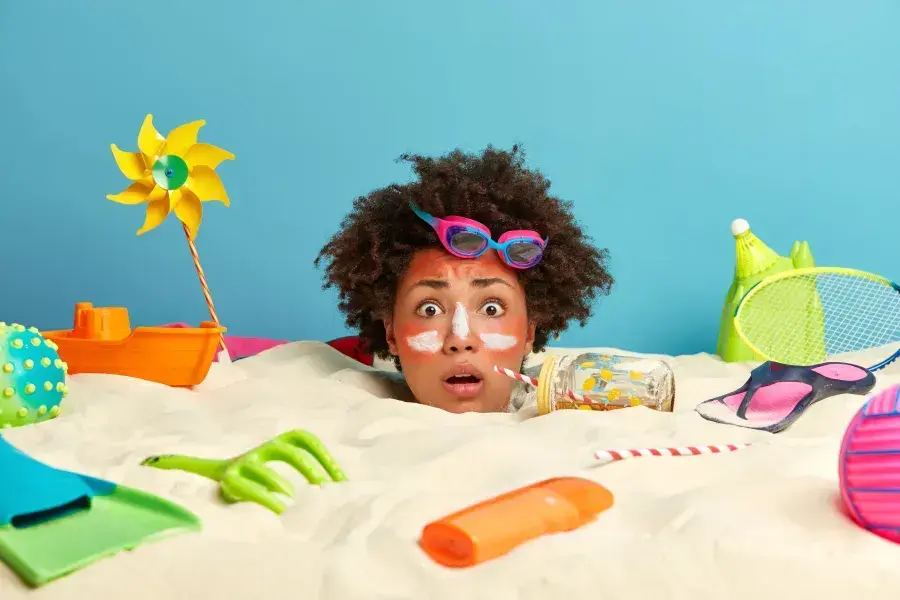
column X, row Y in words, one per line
column 453, row 320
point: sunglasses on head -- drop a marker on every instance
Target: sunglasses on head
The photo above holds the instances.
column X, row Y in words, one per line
column 465, row 238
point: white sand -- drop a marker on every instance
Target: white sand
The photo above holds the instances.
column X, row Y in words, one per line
column 760, row 523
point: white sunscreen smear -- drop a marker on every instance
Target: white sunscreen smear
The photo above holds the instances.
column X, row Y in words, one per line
column 498, row 341
column 427, row 341
column 461, row 321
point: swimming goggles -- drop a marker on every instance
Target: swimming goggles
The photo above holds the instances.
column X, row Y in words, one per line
column 465, row 238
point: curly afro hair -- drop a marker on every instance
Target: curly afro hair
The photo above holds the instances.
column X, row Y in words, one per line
column 377, row 240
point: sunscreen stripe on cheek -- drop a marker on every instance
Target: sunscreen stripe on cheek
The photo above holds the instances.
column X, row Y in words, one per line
column 498, row 341
column 461, row 321
column 427, row 341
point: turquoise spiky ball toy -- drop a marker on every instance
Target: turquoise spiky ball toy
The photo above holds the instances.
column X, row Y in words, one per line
column 32, row 376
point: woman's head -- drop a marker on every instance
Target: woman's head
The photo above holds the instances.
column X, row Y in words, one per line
column 448, row 320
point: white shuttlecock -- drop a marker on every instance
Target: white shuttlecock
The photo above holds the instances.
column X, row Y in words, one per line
column 739, row 226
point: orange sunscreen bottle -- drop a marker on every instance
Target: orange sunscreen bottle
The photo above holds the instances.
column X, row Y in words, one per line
column 496, row 526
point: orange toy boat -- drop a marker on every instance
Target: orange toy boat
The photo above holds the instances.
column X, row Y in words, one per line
column 102, row 341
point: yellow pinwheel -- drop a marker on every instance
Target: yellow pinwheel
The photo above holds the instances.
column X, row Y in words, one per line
column 171, row 174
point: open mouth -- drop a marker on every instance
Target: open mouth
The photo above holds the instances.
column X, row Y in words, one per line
column 463, row 379
column 463, row 382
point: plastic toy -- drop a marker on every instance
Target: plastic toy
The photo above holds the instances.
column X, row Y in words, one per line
column 247, row 478
column 53, row 522
column 755, row 262
column 496, row 526
column 776, row 394
column 869, row 465
column 174, row 173
column 32, row 376
column 239, row 346
column 102, row 341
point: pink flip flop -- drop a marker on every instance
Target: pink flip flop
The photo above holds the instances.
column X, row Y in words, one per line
column 776, row 394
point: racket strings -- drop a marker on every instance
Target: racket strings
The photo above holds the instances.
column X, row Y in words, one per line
column 806, row 318
column 860, row 313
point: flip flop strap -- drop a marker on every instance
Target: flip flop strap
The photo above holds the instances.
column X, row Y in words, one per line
column 761, row 378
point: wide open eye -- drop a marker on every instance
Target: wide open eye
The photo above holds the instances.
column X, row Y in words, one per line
column 492, row 308
column 429, row 309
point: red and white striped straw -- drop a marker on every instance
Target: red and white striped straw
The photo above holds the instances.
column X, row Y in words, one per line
column 534, row 382
column 605, row 456
column 205, row 286
column 516, row 376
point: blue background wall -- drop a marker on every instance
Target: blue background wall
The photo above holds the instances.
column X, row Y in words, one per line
column 663, row 121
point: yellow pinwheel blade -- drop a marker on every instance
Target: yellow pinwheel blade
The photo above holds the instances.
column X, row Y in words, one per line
column 175, row 197
column 130, row 163
column 149, row 141
column 206, row 155
column 137, row 192
column 158, row 193
column 205, row 183
column 189, row 211
column 182, row 138
column 157, row 211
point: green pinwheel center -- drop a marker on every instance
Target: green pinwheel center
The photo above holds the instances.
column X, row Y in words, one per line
column 170, row 172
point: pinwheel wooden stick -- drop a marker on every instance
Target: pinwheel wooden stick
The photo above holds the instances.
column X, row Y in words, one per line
column 174, row 174
column 206, row 294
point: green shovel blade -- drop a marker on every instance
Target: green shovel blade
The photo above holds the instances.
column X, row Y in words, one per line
column 120, row 521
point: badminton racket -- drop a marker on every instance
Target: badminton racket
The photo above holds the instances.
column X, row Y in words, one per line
column 805, row 316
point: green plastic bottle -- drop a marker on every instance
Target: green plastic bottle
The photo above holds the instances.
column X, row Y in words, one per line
column 754, row 262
